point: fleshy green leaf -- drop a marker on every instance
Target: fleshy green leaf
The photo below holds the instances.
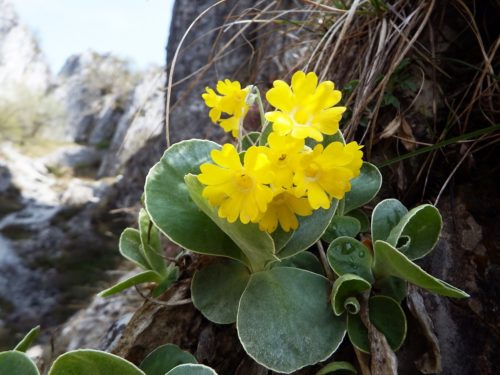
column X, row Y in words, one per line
column 364, row 187
column 386, row 215
column 310, row 230
column 342, row 226
column 171, row 276
column 347, row 285
column 304, row 260
column 143, row 277
column 281, row 238
column 268, row 129
column 363, row 219
column 16, row 362
column 28, row 339
column 191, row 370
column 164, row 358
column 130, row 247
column 348, row 255
column 285, row 321
column 216, row 290
column 357, row 332
column 422, row 225
column 389, row 318
column 338, row 368
column 86, row 362
column 171, row 208
column 391, row 262
column 150, row 240
column 258, row 246
column 393, row 287
column 352, row 306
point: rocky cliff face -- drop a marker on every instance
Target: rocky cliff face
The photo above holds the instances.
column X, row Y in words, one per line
column 21, row 60
column 57, row 235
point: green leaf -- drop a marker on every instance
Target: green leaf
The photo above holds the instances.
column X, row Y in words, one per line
column 348, row 255
column 16, row 362
column 389, row 318
column 342, row 226
column 130, row 247
column 27, row 340
column 250, row 139
column 285, row 321
column 385, row 216
column 393, row 287
column 363, row 219
column 422, row 225
column 258, row 246
column 337, row 137
column 216, row 290
column 281, row 238
column 364, row 187
column 143, row 277
column 310, row 230
column 338, row 368
column 357, row 332
column 86, row 362
column 268, row 129
column 164, row 358
column 151, row 245
column 390, row 262
column 304, row 260
column 346, row 286
column 167, row 280
column 171, row 208
column 191, row 370
column 352, row 306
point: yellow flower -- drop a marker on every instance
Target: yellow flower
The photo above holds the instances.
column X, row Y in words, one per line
column 323, row 174
column 283, row 210
column 238, row 190
column 283, row 152
column 305, row 109
column 231, row 101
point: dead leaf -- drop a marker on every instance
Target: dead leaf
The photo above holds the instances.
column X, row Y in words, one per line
column 406, row 135
column 391, row 128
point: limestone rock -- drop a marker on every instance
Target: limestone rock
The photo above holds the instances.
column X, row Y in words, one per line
column 22, row 63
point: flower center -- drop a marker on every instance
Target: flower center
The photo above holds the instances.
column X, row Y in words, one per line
column 244, row 181
column 312, row 171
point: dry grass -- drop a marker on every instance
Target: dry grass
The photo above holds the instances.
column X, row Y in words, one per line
column 372, row 50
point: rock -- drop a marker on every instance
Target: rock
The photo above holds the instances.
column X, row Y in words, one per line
column 95, row 89
column 22, row 64
column 71, row 158
column 101, row 322
column 10, row 198
column 141, row 123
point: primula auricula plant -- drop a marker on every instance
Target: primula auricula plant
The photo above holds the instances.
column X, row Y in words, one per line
column 261, row 205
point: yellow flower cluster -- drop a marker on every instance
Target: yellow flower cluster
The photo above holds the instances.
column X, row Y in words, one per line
column 231, row 101
column 274, row 184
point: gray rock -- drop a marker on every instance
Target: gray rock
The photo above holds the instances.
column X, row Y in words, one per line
column 72, row 157
column 22, row 64
column 95, row 90
column 141, row 123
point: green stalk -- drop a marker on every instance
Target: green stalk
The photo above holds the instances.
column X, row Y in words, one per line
column 423, row 150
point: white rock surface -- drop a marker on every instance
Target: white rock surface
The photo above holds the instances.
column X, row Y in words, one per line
column 22, row 63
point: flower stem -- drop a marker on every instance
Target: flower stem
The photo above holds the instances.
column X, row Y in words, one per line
column 324, row 261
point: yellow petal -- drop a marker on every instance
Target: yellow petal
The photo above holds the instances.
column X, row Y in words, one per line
column 227, row 157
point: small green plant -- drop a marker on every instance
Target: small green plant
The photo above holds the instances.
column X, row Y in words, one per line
column 262, row 205
column 165, row 360
column 143, row 248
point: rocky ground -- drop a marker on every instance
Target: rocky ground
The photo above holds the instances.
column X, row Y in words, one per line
column 61, row 179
